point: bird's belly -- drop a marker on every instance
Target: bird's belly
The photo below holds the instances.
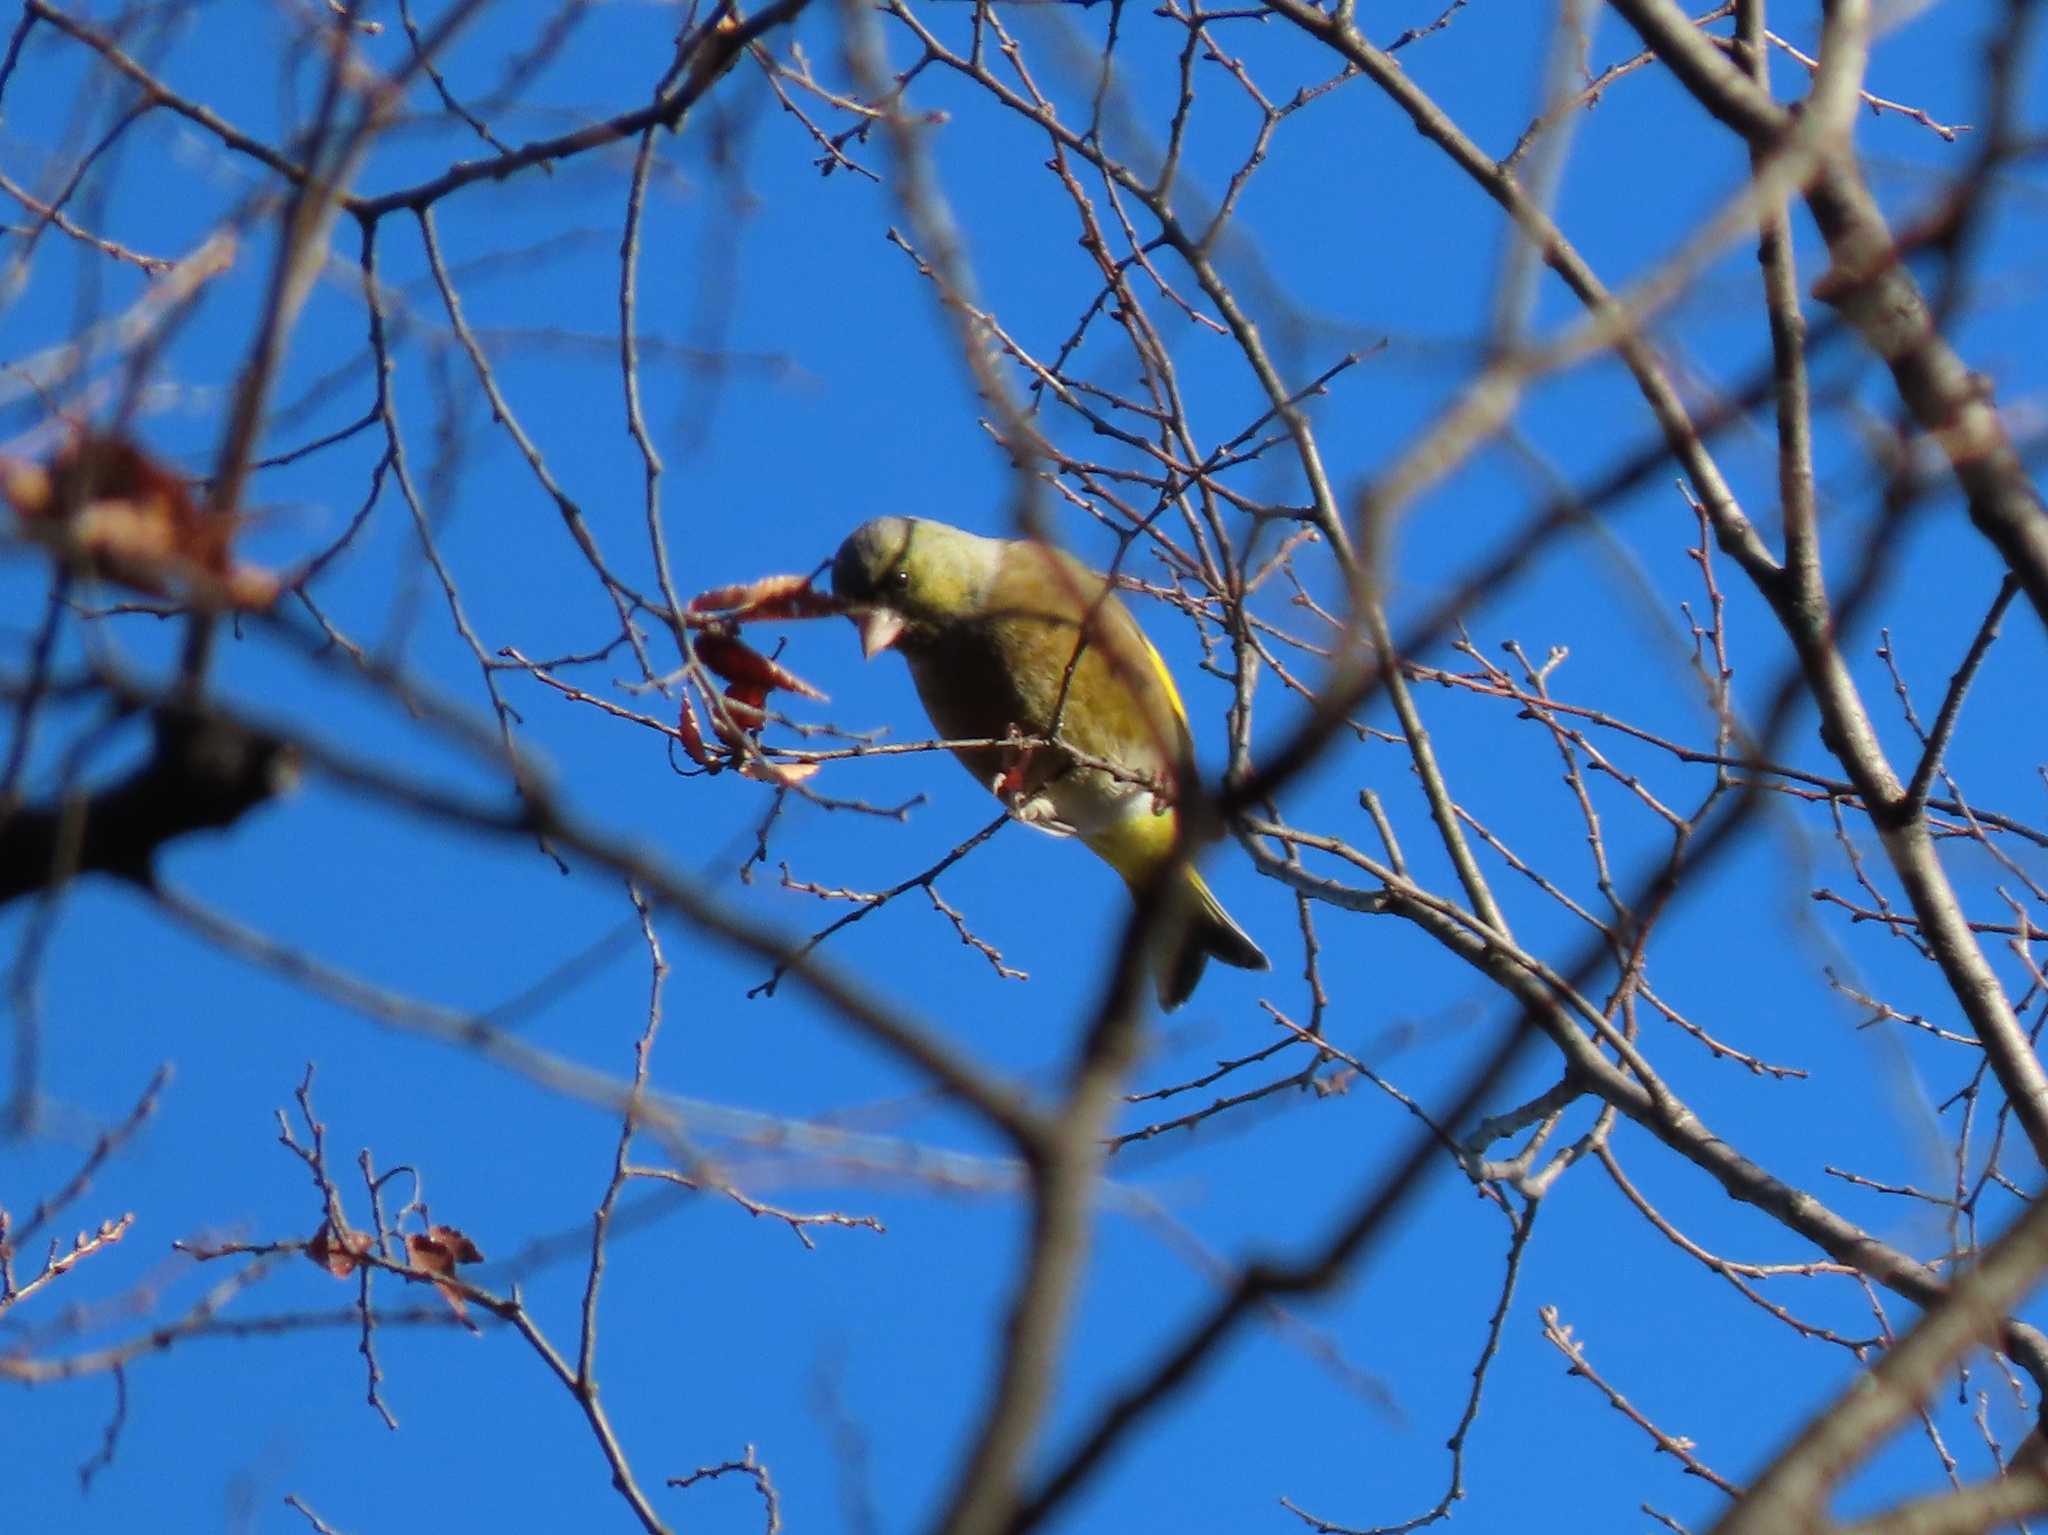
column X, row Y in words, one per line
column 974, row 697
column 1093, row 803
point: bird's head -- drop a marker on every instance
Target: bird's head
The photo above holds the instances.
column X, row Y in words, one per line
column 906, row 579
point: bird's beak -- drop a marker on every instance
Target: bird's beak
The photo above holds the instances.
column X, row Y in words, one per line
column 879, row 629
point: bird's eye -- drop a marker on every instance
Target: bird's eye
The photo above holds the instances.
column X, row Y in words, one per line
column 899, row 578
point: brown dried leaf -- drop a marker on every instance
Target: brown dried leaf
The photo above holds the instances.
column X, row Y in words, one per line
column 438, row 1251
column 738, row 716
column 465, row 1251
column 738, row 662
column 742, row 712
column 693, row 735
column 26, row 487
column 746, row 709
column 252, row 589
column 770, row 597
column 337, row 1252
column 763, row 771
column 106, row 505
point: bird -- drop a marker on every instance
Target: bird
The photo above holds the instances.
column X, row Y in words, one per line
column 1011, row 641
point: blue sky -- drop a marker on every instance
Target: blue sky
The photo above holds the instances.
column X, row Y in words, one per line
column 837, row 394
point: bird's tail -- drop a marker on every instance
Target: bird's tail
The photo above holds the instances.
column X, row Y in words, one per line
column 1201, row 928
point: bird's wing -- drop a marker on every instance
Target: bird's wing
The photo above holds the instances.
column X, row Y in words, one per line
column 1035, row 607
column 1132, row 641
column 1180, row 710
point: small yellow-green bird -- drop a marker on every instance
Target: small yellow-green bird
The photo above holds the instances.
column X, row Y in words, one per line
column 1010, row 638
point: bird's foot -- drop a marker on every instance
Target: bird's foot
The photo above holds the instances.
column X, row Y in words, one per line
column 1022, row 789
column 1012, row 783
column 1037, row 810
column 1033, row 809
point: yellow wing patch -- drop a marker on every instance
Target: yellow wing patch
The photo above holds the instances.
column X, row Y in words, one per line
column 1180, row 711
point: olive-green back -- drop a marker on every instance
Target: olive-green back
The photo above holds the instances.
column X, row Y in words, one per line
column 1007, row 667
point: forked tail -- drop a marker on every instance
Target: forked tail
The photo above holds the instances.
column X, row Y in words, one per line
column 1203, row 930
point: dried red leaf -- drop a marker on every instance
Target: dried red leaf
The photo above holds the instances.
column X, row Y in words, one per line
column 742, row 713
column 738, row 716
column 457, row 1244
column 106, row 505
column 438, row 1251
column 26, row 487
column 770, row 597
column 693, row 735
column 738, row 662
column 337, row 1251
column 763, row 771
column 746, row 709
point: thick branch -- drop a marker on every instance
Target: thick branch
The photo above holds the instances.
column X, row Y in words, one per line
column 1641, row 1095
column 1872, row 288
column 1793, row 1492
column 206, row 773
